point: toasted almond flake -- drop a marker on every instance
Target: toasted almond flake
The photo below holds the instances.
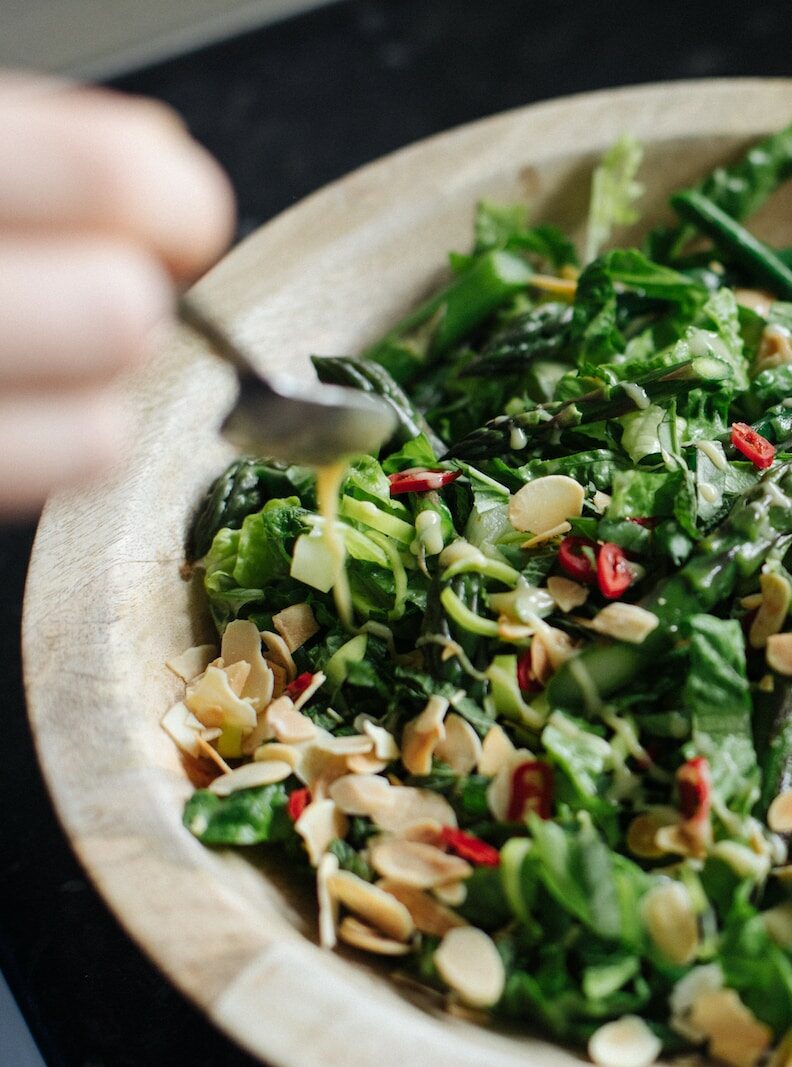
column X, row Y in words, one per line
column 778, row 923
column 684, row 839
column 210, row 733
column 545, row 503
column 317, row 682
column 428, row 914
column 278, row 677
column 212, row 693
column 242, row 643
column 192, row 662
column 250, row 776
column 773, row 610
column 328, row 905
column 548, row 283
column 429, row 831
column 365, row 763
column 775, row 348
column 558, row 645
column 183, row 727
column 296, row 625
column 385, row 746
column 514, row 631
column 671, row 921
column 625, row 622
column 751, row 602
column 461, row 748
column 470, row 964
column 744, row 861
column 373, row 904
column 779, row 814
column 318, row 768
column 642, row 832
column 287, row 724
column 416, row 864
column 453, row 894
column 686, row 991
column 362, row 794
column 496, row 750
column 735, row 1034
column 279, row 651
column 766, row 683
column 548, row 535
column 361, row 936
column 779, row 653
column 320, row 823
column 415, row 806
column 346, row 745
column 205, row 749
column 421, row 736
column 237, row 674
column 601, row 502
column 625, row 1042
column 566, row 593
column 275, row 750
column 500, row 788
column 758, row 300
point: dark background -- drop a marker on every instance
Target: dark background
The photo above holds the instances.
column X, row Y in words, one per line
column 286, row 109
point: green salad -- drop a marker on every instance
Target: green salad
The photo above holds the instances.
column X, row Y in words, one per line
column 523, row 706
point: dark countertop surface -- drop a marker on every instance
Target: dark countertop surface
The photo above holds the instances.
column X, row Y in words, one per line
column 287, row 109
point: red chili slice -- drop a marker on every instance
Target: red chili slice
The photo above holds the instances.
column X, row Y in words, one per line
column 470, row 847
column 614, row 576
column 694, row 783
column 296, row 688
column 531, row 790
column 525, row 677
column 649, row 521
column 575, row 561
column 752, row 445
column 420, row 480
column 297, row 803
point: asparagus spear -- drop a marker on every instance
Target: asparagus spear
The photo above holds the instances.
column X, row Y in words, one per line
column 736, row 549
column 370, row 377
column 606, row 402
column 541, row 333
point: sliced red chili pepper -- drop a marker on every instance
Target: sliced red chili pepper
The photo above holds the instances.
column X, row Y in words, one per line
column 297, row 803
column 296, row 688
column 470, row 847
column 575, row 561
column 614, row 575
column 420, row 480
column 649, row 521
column 752, row 445
column 531, row 790
column 525, row 676
column 694, row 783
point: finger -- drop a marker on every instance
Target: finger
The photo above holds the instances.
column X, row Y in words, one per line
column 55, row 441
column 93, row 159
column 75, row 310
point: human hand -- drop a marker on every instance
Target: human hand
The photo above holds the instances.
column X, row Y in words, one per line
column 105, row 205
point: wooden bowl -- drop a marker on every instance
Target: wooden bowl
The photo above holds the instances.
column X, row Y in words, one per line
column 106, row 603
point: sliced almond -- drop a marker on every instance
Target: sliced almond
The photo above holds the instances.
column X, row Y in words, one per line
column 320, row 823
column 545, row 503
column 773, row 610
column 500, row 788
column 317, row 681
column 415, row 806
column 250, row 776
column 461, row 747
column 775, row 348
column 642, row 832
column 192, row 662
column 751, row 602
column 328, row 905
column 428, row 831
column 183, row 727
column 365, row 763
column 744, row 861
column 671, row 921
column 242, row 643
column 237, row 674
column 625, row 622
column 382, row 910
column 515, row 632
column 548, row 535
column 779, row 814
column 428, row 914
column 205, row 749
column 496, row 750
column 470, row 964
column 274, row 750
column 385, row 746
column 601, row 502
column 686, row 991
column 287, row 724
column 422, row 735
column 278, row 676
column 279, row 651
column 364, row 937
column 319, row 769
column 296, row 625
column 362, row 794
column 778, row 923
column 566, row 593
column 778, row 653
column 211, row 693
column 625, row 1042
column 735, row 1034
column 758, row 300
column 557, row 644
column 684, row 839
column 416, row 864
column 453, row 894
column 346, row 745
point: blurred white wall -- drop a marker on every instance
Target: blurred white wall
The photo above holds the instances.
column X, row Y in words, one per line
column 99, row 38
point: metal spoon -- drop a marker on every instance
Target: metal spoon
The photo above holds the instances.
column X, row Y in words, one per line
column 281, row 418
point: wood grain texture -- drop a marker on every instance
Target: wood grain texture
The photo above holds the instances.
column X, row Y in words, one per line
column 106, row 605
